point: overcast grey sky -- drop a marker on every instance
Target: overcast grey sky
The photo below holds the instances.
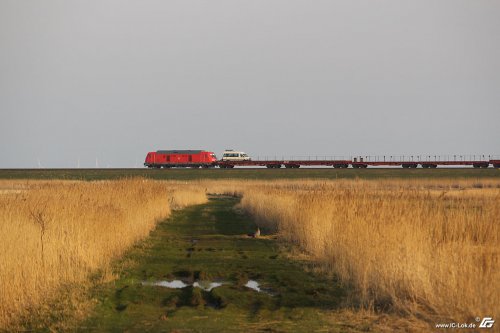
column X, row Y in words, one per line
column 115, row 79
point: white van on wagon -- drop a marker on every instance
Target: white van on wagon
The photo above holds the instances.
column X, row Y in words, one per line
column 231, row 155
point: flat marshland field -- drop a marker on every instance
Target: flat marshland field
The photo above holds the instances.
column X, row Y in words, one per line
column 339, row 250
column 249, row 173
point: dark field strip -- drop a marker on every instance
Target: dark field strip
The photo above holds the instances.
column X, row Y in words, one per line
column 256, row 173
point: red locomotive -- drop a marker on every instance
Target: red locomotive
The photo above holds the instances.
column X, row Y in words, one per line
column 180, row 158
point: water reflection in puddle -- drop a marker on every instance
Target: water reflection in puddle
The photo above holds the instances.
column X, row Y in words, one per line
column 178, row 284
column 252, row 284
column 175, row 284
column 207, row 285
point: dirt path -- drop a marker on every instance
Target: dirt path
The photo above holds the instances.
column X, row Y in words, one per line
column 207, row 244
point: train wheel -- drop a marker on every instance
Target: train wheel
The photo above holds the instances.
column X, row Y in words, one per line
column 496, row 166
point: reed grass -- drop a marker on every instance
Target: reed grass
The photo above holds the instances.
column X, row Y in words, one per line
column 427, row 248
column 57, row 234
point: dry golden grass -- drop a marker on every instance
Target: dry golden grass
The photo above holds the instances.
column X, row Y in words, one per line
column 58, row 233
column 429, row 248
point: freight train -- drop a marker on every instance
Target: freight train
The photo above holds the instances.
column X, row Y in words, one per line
column 231, row 158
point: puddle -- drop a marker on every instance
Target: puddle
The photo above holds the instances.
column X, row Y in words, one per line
column 207, row 285
column 178, row 284
column 175, row 284
column 254, row 285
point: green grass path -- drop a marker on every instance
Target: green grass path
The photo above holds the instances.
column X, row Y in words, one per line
column 209, row 243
